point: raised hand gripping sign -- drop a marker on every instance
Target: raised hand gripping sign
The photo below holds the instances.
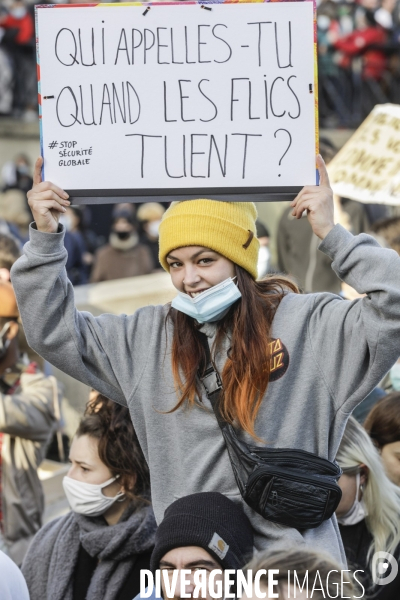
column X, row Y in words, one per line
column 178, row 99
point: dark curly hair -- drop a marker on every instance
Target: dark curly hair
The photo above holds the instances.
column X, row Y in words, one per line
column 118, row 446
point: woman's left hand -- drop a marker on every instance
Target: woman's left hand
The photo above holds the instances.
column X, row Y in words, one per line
column 317, row 200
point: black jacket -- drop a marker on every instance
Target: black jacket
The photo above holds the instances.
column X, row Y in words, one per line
column 356, row 541
column 86, row 566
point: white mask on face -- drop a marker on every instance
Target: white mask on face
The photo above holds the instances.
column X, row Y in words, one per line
column 88, row 498
column 19, row 12
column 211, row 305
column 358, row 511
column 66, row 221
column 263, row 261
column 153, row 228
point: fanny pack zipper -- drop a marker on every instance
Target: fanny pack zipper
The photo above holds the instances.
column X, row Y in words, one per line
column 265, row 470
column 308, row 456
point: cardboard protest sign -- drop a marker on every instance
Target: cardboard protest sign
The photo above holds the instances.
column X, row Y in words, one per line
column 367, row 168
column 178, row 99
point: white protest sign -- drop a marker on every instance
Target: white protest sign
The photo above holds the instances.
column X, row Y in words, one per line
column 178, row 98
column 367, row 168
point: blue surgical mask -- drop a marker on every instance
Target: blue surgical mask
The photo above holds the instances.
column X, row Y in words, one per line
column 394, row 375
column 210, row 305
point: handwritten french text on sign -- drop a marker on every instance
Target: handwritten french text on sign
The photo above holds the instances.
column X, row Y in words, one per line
column 368, row 166
column 178, row 97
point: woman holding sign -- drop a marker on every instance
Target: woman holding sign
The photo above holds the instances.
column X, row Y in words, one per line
column 291, row 367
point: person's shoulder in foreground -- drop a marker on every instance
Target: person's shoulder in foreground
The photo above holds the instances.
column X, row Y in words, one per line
column 12, row 582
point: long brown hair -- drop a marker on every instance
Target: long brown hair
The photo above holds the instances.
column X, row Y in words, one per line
column 245, row 375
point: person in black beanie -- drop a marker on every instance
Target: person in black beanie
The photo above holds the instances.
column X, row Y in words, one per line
column 202, row 531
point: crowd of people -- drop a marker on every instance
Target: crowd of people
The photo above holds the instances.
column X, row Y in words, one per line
column 108, row 242
column 287, row 365
column 105, row 243
column 358, row 58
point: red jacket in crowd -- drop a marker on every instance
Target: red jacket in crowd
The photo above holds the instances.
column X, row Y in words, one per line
column 24, row 26
column 359, row 42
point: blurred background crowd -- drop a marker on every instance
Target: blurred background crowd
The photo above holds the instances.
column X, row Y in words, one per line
column 358, row 58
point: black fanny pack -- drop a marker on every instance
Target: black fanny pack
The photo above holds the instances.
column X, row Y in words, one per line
column 287, row 486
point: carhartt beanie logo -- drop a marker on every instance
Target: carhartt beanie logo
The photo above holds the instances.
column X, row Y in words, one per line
column 208, row 520
column 218, row 545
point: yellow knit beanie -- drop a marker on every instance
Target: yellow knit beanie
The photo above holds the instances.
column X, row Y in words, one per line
column 229, row 228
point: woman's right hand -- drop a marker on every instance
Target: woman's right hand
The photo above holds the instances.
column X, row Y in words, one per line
column 47, row 201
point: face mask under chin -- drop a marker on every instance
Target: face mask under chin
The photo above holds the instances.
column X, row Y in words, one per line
column 211, row 305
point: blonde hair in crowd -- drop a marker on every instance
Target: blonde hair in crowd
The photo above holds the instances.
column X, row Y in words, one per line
column 381, row 496
column 306, row 563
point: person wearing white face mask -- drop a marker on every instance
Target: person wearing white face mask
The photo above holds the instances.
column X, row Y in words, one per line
column 97, row 550
column 149, row 216
column 291, row 367
column 77, row 225
column 369, row 511
column 264, row 254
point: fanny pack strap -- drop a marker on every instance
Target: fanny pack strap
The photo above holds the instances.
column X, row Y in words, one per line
column 211, row 380
column 238, row 451
column 246, row 463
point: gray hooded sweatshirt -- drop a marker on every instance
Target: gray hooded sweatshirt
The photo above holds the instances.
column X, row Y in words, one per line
column 328, row 354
